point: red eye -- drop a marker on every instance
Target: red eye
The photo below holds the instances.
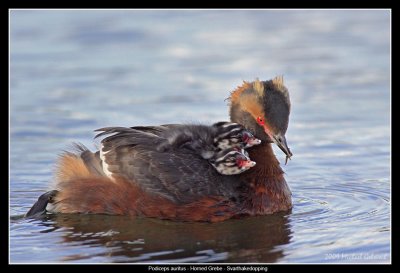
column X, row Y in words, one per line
column 260, row 121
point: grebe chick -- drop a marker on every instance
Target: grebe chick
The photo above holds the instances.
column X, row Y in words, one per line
column 233, row 135
column 231, row 162
column 206, row 140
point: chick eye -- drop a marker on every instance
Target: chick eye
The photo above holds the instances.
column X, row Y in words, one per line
column 260, row 121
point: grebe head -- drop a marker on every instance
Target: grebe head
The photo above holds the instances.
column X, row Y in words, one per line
column 233, row 135
column 232, row 161
column 263, row 108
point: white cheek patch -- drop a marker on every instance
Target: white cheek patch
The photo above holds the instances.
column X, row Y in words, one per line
column 224, row 144
column 220, row 169
column 235, row 170
column 104, row 163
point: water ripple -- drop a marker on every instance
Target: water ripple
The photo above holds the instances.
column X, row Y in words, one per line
column 75, row 71
column 340, row 218
column 339, row 202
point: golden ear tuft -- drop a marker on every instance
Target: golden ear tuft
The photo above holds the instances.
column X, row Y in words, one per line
column 258, row 86
column 278, row 82
column 279, row 86
column 235, row 94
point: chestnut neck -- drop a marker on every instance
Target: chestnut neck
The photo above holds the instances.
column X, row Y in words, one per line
column 267, row 170
column 264, row 189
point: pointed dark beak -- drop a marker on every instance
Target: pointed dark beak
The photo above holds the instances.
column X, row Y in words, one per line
column 280, row 141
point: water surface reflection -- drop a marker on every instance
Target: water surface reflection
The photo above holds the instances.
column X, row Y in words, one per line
column 123, row 239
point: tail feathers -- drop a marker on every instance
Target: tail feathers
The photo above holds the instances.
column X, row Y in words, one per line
column 80, row 163
column 93, row 162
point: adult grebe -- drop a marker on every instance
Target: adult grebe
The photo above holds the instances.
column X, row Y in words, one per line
column 141, row 180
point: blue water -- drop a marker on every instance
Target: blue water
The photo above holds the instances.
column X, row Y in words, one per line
column 74, row 71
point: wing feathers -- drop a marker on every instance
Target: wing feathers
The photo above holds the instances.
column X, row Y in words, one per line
column 179, row 174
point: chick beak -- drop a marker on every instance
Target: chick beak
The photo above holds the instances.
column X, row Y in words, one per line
column 244, row 161
column 249, row 140
column 252, row 141
column 248, row 164
column 280, row 141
